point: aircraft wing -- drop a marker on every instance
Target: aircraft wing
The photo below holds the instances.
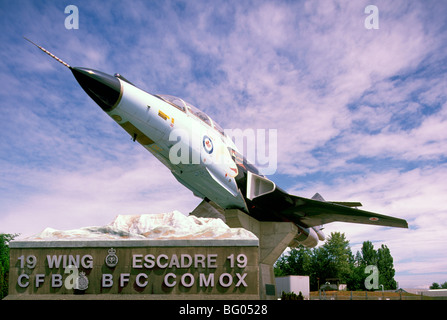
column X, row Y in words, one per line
column 275, row 203
column 312, row 213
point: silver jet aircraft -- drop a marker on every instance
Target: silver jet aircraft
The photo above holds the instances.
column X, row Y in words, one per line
column 205, row 160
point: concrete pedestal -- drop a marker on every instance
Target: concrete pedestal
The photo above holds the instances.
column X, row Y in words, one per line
column 213, row 261
column 153, row 256
column 274, row 238
column 134, row 269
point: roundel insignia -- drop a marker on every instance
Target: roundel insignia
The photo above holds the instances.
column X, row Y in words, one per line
column 373, row 219
column 207, row 144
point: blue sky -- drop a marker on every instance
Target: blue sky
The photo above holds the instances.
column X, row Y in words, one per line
column 361, row 114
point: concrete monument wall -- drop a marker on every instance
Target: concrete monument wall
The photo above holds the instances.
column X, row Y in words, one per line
column 153, row 256
column 164, row 256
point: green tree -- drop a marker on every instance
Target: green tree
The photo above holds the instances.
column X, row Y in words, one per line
column 435, row 285
column 339, row 256
column 320, row 268
column 334, row 259
column 357, row 277
column 331, row 260
column 297, row 262
column 4, row 262
column 369, row 254
column 381, row 258
column 386, row 268
column 366, row 257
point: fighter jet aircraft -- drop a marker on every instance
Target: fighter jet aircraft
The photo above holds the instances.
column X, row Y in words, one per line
column 205, row 160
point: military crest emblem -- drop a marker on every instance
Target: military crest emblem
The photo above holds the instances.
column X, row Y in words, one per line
column 111, row 259
column 82, row 282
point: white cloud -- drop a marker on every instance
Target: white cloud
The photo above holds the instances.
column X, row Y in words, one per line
column 296, row 68
column 427, row 141
column 95, row 195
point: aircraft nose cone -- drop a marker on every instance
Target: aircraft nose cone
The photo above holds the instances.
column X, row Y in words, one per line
column 104, row 89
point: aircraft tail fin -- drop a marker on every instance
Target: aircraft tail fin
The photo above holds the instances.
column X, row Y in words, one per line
column 318, row 197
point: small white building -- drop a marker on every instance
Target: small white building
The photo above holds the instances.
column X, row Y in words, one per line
column 295, row 284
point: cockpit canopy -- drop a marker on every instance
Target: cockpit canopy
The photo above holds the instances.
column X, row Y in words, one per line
column 189, row 108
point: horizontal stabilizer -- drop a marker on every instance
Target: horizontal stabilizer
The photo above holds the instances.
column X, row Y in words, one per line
column 347, row 204
column 318, row 197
